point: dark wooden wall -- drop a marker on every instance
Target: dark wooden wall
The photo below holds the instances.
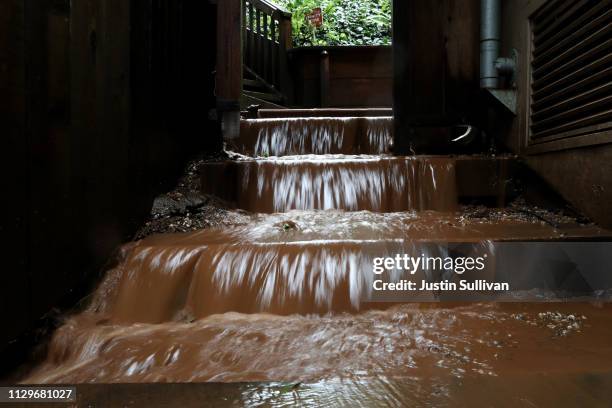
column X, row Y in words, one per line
column 102, row 102
column 356, row 76
column 581, row 174
column 436, row 69
column 14, row 276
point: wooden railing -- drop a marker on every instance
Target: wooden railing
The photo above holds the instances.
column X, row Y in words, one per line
column 266, row 40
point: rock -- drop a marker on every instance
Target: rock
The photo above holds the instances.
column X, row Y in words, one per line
column 288, row 226
column 177, row 203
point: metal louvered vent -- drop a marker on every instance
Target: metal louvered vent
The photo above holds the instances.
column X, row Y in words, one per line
column 571, row 69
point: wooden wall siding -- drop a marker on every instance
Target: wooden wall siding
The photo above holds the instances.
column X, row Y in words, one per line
column 581, row 174
column 100, row 92
column 101, row 107
column 357, row 76
column 14, row 279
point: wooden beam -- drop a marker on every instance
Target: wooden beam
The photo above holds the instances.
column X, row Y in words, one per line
column 285, row 44
column 229, row 65
column 229, row 50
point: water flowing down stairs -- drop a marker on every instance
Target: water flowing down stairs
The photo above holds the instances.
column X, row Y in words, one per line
column 268, row 301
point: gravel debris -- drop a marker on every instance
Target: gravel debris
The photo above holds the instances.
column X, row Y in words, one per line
column 519, row 210
column 186, row 209
column 561, row 324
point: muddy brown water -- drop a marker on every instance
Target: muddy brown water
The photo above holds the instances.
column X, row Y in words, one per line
column 279, row 300
column 298, row 136
column 349, row 183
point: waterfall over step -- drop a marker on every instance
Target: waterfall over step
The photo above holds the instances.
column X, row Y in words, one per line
column 351, row 184
column 338, row 182
column 295, row 136
column 296, row 262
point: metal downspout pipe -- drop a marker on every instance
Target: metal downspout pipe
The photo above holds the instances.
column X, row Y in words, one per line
column 490, row 42
column 497, row 75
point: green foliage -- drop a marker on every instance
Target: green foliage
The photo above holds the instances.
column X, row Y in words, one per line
column 345, row 22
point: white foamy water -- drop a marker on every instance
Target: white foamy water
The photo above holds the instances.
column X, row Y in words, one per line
column 291, row 136
column 350, row 183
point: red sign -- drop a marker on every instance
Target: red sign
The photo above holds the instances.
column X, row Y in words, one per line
column 315, row 17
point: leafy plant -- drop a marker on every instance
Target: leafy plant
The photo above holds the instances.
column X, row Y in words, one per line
column 345, row 22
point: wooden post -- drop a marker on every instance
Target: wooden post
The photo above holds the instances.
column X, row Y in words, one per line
column 419, row 72
column 258, row 42
column 436, row 69
column 229, row 66
column 324, row 79
column 285, row 44
column 273, row 54
column 251, row 35
column 266, row 49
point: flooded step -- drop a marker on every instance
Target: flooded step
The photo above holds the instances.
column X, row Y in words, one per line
column 282, row 298
column 316, row 135
column 354, row 183
column 300, row 262
column 419, row 348
column 324, row 113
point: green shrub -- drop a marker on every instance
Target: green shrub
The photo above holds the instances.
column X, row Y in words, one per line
column 345, row 22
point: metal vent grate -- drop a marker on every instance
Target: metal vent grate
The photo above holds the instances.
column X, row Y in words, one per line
column 571, row 69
